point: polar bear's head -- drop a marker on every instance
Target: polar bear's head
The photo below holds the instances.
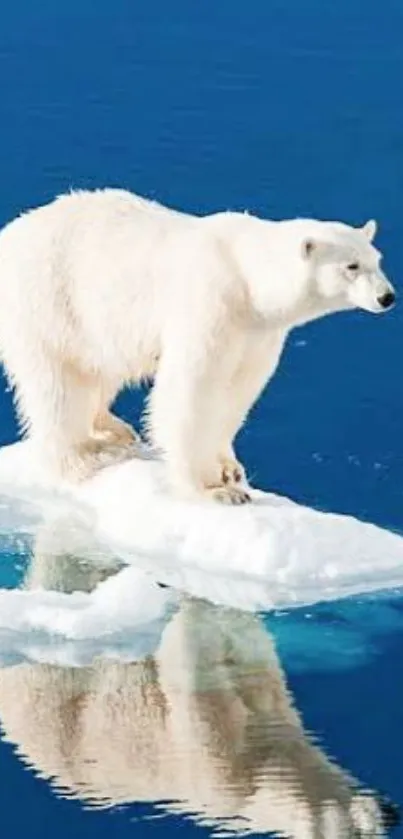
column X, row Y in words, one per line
column 345, row 267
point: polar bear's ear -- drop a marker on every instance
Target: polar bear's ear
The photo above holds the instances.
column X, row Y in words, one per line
column 369, row 229
column 308, row 248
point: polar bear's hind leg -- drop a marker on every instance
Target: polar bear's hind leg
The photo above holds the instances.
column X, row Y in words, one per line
column 57, row 402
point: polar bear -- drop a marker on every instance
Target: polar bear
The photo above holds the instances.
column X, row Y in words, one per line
column 104, row 288
column 205, row 727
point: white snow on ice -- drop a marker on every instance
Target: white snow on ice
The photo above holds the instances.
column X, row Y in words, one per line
column 271, row 554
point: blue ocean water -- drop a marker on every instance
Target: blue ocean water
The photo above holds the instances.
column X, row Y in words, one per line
column 283, row 108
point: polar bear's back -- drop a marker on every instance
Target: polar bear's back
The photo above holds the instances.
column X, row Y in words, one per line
column 59, row 233
column 71, row 270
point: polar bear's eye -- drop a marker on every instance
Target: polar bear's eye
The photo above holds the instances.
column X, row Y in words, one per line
column 353, row 267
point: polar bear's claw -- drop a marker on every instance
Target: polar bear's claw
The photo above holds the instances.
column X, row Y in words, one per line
column 230, row 495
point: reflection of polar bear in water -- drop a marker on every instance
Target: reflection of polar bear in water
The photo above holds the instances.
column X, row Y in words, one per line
column 101, row 289
column 206, row 724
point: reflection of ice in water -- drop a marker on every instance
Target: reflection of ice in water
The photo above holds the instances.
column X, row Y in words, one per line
column 133, row 693
column 80, row 607
column 124, row 616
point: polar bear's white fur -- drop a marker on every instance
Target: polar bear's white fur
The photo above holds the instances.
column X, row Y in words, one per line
column 99, row 289
column 206, row 727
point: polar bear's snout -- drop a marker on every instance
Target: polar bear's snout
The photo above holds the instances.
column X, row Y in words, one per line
column 382, row 292
column 387, row 300
column 372, row 292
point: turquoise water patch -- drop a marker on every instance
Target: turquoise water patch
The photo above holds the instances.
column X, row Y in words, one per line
column 337, row 635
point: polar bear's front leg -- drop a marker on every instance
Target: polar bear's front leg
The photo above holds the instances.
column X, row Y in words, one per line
column 185, row 424
column 258, row 365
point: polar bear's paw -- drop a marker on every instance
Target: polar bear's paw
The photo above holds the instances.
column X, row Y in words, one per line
column 115, row 431
column 228, row 494
column 84, row 461
column 232, row 471
column 102, row 453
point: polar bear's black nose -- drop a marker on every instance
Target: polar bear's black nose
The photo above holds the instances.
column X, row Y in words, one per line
column 390, row 812
column 387, row 300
